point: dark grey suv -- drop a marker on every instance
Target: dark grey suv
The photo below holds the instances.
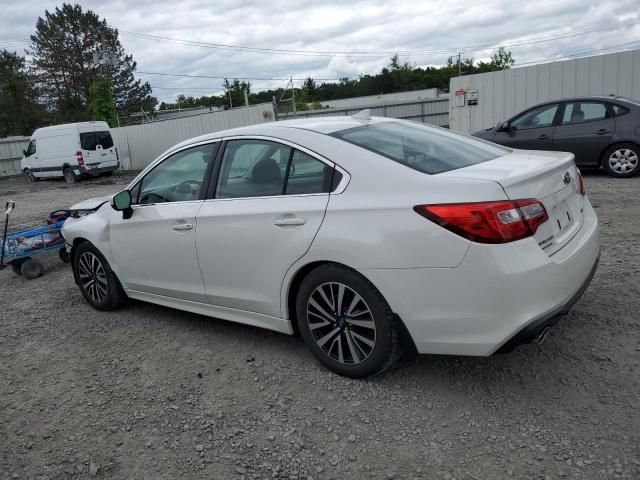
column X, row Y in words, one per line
column 597, row 130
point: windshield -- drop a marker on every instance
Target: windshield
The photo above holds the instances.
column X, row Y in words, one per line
column 424, row 148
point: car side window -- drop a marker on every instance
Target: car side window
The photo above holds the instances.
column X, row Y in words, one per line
column 252, row 168
column 307, row 175
column 535, row 118
column 579, row 112
column 178, row 178
column 31, row 149
column 619, row 110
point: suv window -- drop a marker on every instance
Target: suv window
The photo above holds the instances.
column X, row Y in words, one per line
column 535, row 118
column 90, row 140
column 177, row 178
column 31, row 149
column 579, row 112
column 424, row 148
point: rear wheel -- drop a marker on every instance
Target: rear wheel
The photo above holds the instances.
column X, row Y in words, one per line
column 622, row 160
column 31, row 269
column 346, row 323
column 69, row 176
column 16, row 266
column 98, row 284
column 107, row 174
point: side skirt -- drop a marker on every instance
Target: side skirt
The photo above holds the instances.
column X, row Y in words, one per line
column 224, row 313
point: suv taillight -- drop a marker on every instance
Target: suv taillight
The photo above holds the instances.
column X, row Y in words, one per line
column 488, row 222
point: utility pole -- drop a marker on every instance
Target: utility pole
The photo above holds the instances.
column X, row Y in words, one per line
column 459, row 61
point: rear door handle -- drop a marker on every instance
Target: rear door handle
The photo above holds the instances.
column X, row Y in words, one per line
column 543, row 137
column 289, row 221
column 602, row 131
column 182, row 226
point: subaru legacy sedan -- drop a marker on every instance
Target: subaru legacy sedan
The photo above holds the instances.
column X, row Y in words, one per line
column 368, row 236
column 599, row 131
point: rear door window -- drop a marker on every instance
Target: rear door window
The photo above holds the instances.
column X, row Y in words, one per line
column 424, row 148
column 579, row 112
column 90, row 140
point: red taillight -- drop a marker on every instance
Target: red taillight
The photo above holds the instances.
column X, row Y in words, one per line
column 581, row 183
column 79, row 158
column 488, row 222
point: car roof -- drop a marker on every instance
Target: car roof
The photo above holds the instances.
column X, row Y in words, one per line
column 322, row 125
column 586, row 98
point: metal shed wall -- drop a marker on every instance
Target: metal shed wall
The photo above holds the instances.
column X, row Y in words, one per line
column 10, row 155
column 139, row 145
column 503, row 94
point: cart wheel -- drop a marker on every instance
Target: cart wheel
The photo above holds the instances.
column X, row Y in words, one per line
column 32, row 268
column 64, row 256
column 17, row 268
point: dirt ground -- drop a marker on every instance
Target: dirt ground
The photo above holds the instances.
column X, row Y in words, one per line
column 149, row 392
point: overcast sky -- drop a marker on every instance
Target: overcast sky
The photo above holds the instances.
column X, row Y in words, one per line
column 430, row 30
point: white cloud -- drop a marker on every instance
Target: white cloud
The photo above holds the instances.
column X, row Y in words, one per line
column 332, row 25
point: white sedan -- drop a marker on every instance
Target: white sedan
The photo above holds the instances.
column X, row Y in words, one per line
column 366, row 235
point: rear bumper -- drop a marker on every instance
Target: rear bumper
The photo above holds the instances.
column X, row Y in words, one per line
column 96, row 171
column 497, row 296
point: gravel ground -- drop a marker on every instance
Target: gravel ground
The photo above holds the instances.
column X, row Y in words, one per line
column 149, row 392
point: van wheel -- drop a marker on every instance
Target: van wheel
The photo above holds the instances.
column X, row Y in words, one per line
column 29, row 176
column 69, row 176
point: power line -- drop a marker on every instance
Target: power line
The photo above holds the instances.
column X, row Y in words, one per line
column 531, row 62
column 373, row 54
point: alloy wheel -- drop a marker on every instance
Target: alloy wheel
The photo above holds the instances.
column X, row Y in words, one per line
column 341, row 323
column 93, row 277
column 623, row 160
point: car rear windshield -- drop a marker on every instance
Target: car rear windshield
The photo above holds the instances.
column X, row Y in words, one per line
column 90, row 140
column 426, row 149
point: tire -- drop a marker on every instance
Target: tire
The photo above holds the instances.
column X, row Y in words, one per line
column 351, row 349
column 64, row 256
column 98, row 284
column 31, row 269
column 107, row 174
column 30, row 177
column 69, row 176
column 622, row 160
column 16, row 267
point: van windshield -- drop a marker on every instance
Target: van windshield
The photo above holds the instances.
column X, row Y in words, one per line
column 90, row 140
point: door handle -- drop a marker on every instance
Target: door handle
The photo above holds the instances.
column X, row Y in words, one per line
column 543, row 137
column 602, row 131
column 289, row 221
column 182, row 226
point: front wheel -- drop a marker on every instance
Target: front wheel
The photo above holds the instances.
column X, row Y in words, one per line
column 622, row 160
column 98, row 284
column 346, row 323
column 29, row 176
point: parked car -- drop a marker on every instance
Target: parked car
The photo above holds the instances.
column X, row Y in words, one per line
column 597, row 130
column 355, row 231
column 71, row 151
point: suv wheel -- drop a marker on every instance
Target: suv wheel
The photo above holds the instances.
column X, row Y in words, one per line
column 622, row 160
column 98, row 284
column 346, row 323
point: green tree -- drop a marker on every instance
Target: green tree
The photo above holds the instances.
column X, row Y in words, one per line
column 502, row 60
column 64, row 48
column 101, row 102
column 234, row 91
column 20, row 112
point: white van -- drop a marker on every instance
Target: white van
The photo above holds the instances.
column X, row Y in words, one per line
column 70, row 151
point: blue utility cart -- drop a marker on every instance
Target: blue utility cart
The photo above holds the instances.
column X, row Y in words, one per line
column 18, row 248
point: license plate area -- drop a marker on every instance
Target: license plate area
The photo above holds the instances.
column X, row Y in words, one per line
column 563, row 218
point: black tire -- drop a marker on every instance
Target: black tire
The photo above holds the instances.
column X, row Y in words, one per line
column 382, row 348
column 69, row 176
column 29, row 176
column 64, row 256
column 622, row 160
column 107, row 174
column 31, row 269
column 103, row 291
column 16, row 267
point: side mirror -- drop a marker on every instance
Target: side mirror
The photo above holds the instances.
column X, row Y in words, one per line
column 121, row 202
column 503, row 126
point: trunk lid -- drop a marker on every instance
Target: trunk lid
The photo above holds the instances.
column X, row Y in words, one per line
column 551, row 177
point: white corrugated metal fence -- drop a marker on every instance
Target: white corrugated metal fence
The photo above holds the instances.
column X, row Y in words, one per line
column 503, row 94
column 10, row 154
